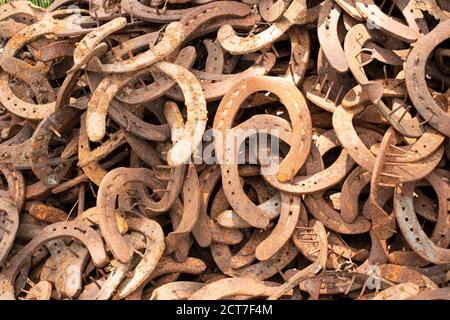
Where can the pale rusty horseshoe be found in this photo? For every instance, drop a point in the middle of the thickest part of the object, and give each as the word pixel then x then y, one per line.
pixel 300 54
pixel 40 291
pixel 436 294
pixel 153 252
pixel 185 242
pixel 271 10
pixel 349 7
pixel 194 101
pixel 283 230
pixel 9 10
pixel 93 171
pixel 327 32
pixel 85 48
pixel 378 19
pixel 401 274
pixel 173 37
pixel 231 42
pixel 270 207
pixel 178 290
pixel 233 286
pixel 400 291
pixel 432 8
pixel 301 123
pixel 413 16
pixel 411 228
pixel 415 78
pixel 230 219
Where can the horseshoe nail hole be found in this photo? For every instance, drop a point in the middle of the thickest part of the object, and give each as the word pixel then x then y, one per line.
pixel 232 193
pixel 423 205
pixel 276 204
pixel 403 208
pixel 417 239
pixel 65 228
pixel 411 229
pixel 406 219
pixel 54 229
pixel 315 182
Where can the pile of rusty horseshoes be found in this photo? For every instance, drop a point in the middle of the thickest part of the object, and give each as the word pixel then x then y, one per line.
pixel 104 106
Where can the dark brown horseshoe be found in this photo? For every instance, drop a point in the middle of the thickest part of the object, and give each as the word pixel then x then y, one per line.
pixel 56 124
